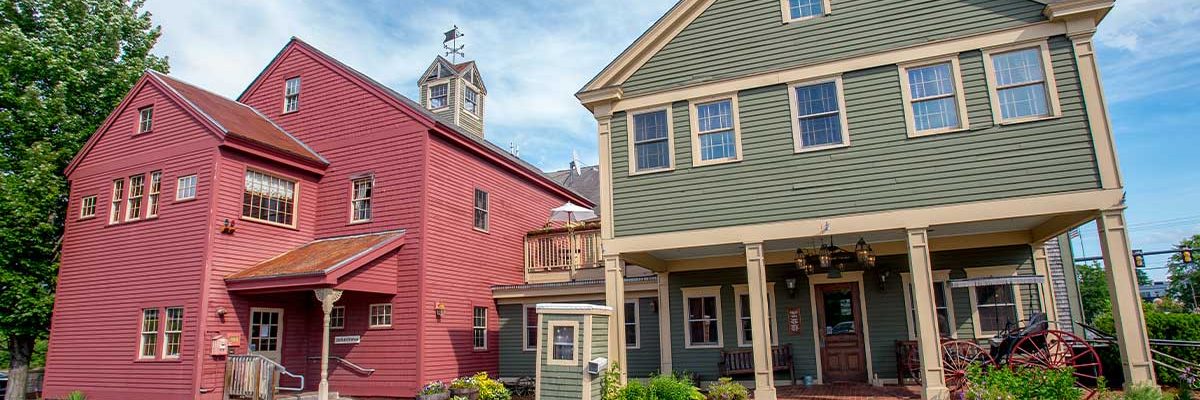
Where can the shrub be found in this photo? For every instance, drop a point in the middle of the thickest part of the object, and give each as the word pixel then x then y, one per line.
pixel 1024 383
pixel 634 390
pixel 662 387
pixel 1144 392
pixel 435 387
pixel 76 395
pixel 727 389
pixel 1159 325
pixel 490 389
pixel 463 383
pixel 610 383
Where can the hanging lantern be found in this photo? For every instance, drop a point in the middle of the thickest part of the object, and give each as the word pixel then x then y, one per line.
pixel 862 251
pixel 802 262
pixel 826 257
pixel 871 260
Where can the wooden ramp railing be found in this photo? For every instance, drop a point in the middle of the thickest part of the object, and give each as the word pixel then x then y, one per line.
pixel 254 377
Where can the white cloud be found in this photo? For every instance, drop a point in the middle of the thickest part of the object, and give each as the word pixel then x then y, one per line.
pixel 534 56
pixel 1149 47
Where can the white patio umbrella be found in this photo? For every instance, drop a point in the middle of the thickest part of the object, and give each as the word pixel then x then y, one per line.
pixel 571 212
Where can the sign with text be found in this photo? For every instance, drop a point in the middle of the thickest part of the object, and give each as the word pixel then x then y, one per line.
pixel 347 339
pixel 793 320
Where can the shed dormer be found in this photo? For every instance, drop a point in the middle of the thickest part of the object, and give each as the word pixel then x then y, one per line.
pixel 454 93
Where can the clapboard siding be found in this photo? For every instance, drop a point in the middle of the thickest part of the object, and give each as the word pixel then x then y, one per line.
pixel 882 170
pixel 564 381
pixel 516 362
pixel 740 37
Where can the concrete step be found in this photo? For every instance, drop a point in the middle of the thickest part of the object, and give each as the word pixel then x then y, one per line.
pixel 306 396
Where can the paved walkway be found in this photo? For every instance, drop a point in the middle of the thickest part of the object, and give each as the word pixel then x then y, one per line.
pixel 848 392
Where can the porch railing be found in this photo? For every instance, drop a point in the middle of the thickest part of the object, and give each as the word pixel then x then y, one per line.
pixel 254 377
pixel 563 250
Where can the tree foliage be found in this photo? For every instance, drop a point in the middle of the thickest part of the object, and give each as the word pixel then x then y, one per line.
pixel 1183 277
pixel 64 66
pixel 1093 290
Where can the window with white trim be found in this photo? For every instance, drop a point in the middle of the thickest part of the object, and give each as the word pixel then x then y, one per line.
pixel 185 187
pixel 269 198
pixel 819 120
pixel 471 101
pixel 1021 83
pixel 741 296
pixel 291 95
pixel 633 332
pixel 152 196
pixel 943 306
pixel 360 202
pixel 148 344
pixel 145 119
pixel 702 325
pixel 563 341
pixel 118 195
pixel 87 207
pixel 380 315
pixel 715 132
pixel 438 95
pixel 479 328
pixel 482 213
pixel 804 9
pixel 133 206
pixel 530 325
pixel 173 332
pixel 337 317
pixel 651 138
pixel 996 307
pixel 934 97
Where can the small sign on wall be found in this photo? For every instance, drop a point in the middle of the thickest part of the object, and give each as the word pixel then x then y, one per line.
pixel 793 320
pixel 347 339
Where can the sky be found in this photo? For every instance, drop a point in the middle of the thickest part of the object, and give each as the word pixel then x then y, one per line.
pixel 535 54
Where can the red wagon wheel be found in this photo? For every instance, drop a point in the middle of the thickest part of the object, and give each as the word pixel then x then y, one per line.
pixel 957 356
pixel 1053 349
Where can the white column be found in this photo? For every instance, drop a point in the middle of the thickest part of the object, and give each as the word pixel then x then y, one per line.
pixel 1126 303
pixel 614 296
pixel 327 297
pixel 760 328
pixel 664 323
pixel 933 380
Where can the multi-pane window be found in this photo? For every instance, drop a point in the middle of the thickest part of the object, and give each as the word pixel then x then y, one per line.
pixel 337 317
pixel 944 321
pixel 479 328
pixel 438 94
pixel 360 202
pixel 745 330
pixel 715 131
pixel 149 337
pixel 1020 80
pixel 703 311
pixel 264 330
pixel 799 9
pixel 818 116
pixel 380 315
pixel 933 98
pixel 531 328
pixel 185 187
pixel 481 210
pixel 269 198
pixel 173 332
pixel 996 307
pixel 152 196
pixel 291 95
pixel 87 207
pixel 145 119
pixel 118 194
pixel 651 140
pixel 137 188
pixel 563 340
pixel 632 333
pixel 471 101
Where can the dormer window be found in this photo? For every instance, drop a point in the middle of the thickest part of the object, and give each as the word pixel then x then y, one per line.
pixel 795 10
pixel 438 95
pixel 291 95
pixel 471 101
pixel 145 119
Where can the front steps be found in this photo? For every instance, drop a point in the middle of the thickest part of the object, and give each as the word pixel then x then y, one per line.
pixel 307 396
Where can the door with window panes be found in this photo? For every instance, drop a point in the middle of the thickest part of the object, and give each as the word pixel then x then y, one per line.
pixel 266 332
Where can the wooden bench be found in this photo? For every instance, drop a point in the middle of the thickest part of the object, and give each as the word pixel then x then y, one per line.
pixel 734 362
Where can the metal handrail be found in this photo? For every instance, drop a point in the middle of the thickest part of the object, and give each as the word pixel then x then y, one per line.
pixel 274 367
pixel 348 363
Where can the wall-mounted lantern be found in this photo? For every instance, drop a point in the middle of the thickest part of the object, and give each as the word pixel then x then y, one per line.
pixel 791 287
pixel 439 310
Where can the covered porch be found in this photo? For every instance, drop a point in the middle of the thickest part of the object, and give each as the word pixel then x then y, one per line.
pixel 740 290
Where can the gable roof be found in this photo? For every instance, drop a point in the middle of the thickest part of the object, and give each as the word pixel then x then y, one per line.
pixel 239 120
pixel 586 182
pixel 462 70
pixel 470 141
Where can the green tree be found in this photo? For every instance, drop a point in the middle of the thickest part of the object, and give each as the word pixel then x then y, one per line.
pixel 64 65
pixel 1093 290
pixel 1183 277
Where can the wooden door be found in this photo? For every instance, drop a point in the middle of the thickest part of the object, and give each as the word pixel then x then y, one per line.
pixel 266 332
pixel 843 358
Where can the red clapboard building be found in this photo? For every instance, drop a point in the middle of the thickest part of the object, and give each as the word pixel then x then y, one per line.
pixel 206 235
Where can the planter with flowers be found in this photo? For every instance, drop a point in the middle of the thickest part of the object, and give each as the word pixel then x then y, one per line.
pixel 464 387
pixel 436 390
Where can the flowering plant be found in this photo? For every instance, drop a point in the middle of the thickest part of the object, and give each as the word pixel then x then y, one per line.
pixel 435 387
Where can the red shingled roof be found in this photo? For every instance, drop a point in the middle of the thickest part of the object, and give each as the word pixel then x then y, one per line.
pixel 239 120
pixel 322 257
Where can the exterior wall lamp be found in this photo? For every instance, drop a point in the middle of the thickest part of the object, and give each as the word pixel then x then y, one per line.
pixel 439 310
pixel 791 287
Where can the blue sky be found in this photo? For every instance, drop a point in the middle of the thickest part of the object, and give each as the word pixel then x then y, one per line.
pixel 535 54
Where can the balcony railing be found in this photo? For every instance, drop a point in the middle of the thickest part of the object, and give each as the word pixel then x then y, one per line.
pixel 563 249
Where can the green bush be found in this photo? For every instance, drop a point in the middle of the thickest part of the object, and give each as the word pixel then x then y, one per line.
pixel 1024 383
pixel 490 389
pixel 610 384
pixel 76 395
pixel 662 387
pixel 727 389
pixel 1145 392
pixel 1159 325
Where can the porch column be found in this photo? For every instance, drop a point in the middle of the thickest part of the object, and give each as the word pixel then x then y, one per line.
pixel 614 296
pixel 760 329
pixel 933 380
pixel 327 297
pixel 1126 304
pixel 664 323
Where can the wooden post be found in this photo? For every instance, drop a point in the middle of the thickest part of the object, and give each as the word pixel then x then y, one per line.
pixel 327 297
pixel 933 380
pixel 1132 339
pixel 614 296
pixel 760 329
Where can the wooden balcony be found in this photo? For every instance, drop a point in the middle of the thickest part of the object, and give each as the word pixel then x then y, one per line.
pixel 559 254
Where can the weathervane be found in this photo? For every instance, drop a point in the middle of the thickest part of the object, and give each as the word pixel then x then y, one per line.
pixel 453 49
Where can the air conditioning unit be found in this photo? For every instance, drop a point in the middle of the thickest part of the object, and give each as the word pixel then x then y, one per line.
pixel 597 365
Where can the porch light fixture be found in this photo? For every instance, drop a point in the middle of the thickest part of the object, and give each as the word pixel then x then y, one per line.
pixel 791 286
pixel 1138 260
pixel 439 310
pixel 802 262
pixel 834 259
